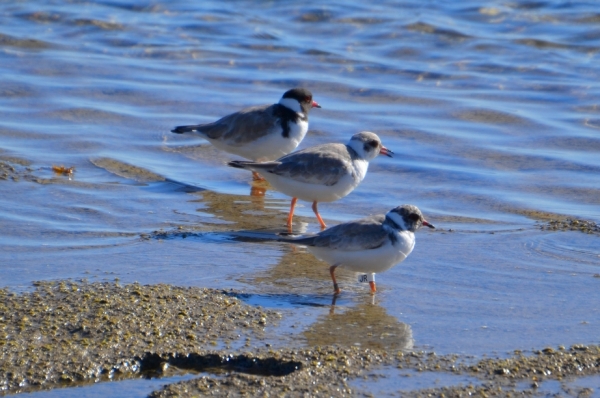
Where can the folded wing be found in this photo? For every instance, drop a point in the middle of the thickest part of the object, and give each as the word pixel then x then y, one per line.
pixel 238 128
pixel 363 234
pixel 323 164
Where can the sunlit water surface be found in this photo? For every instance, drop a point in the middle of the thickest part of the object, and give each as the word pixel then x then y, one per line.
pixel 493 113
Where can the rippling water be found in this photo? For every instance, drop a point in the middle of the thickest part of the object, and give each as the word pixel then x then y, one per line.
pixel 493 113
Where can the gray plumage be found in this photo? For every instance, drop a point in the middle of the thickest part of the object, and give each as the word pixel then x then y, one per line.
pixel 372 244
pixel 334 160
pixel 241 127
pixel 260 133
pixel 363 234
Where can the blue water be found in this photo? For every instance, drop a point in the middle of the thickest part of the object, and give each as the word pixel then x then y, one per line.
pixel 492 110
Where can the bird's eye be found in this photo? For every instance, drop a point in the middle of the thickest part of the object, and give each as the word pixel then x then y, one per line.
pixel 307 99
pixel 414 217
pixel 373 144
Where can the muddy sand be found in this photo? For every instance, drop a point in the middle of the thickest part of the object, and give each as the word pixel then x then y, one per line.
pixel 67 333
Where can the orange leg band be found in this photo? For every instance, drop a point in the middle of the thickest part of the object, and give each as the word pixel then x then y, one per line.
pixel 373 288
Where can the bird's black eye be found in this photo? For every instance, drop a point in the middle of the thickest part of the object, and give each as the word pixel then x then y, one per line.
pixel 414 217
pixel 373 144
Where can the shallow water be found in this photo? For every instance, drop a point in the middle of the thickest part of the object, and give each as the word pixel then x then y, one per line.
pixel 117 389
pixel 492 112
pixel 396 380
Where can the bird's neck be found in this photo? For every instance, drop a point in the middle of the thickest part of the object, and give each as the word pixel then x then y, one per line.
pixel 292 104
pixel 395 221
pixel 360 168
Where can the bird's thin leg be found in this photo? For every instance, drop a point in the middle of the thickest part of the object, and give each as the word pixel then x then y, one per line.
pixel 291 215
pixel 257 177
pixel 336 288
pixel 314 207
pixel 332 308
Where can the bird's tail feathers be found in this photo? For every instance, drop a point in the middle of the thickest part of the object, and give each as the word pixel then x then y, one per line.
pixel 305 241
pixel 254 166
pixel 240 164
pixel 184 129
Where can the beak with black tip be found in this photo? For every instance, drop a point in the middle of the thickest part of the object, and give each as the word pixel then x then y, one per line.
pixel 386 152
pixel 427 224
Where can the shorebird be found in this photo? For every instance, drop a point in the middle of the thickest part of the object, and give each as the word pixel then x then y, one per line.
pixel 323 173
pixel 371 245
pixel 260 133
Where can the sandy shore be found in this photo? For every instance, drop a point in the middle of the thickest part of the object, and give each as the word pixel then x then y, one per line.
pixel 69 333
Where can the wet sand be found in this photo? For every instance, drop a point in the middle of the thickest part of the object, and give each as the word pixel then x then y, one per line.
pixel 67 333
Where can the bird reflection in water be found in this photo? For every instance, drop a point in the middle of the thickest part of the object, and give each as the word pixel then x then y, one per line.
pixel 366 325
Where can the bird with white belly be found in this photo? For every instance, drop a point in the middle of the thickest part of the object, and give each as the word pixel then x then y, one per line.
pixel 260 133
pixel 323 173
pixel 370 245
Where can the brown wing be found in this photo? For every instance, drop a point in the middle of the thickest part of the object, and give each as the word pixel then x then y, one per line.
pixel 241 127
pixel 363 234
pixel 322 164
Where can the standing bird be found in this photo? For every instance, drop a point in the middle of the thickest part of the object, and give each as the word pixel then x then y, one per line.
pixel 260 133
pixel 372 244
pixel 322 173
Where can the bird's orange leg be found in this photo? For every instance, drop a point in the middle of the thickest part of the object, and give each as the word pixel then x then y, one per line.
pixel 257 177
pixel 314 207
pixel 336 288
pixel 291 215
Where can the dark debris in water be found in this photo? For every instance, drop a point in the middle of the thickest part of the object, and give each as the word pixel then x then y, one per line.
pixel 66 333
pixel 571 224
pixel 152 363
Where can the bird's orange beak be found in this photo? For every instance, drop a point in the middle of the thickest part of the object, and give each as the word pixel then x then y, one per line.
pixel 427 224
pixel 386 152
pixel 315 104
